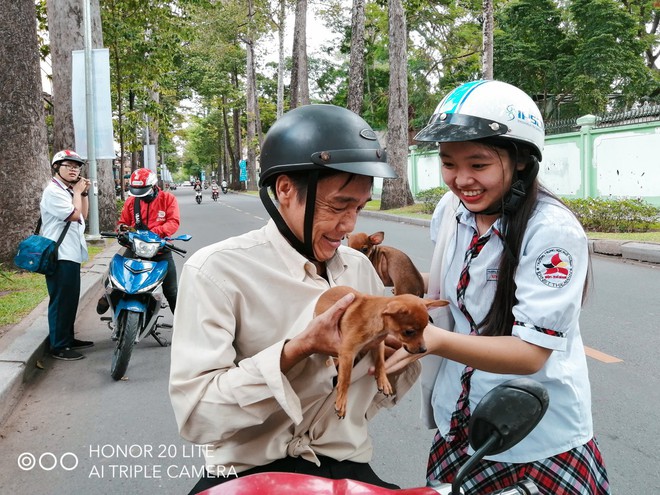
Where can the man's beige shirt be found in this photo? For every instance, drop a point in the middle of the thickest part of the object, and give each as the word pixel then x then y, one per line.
pixel 239 301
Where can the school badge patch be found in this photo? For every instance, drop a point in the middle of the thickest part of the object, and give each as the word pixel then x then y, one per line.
pixel 554 267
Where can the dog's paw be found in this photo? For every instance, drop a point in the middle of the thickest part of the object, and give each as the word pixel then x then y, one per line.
pixel 385 387
pixel 340 410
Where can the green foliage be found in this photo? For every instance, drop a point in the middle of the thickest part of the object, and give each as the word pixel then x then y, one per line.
pixel 606 56
pixel 615 215
pixel 119 204
pixel 529 35
pixel 430 197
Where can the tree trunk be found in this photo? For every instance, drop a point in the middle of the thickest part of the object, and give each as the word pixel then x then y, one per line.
pixel 229 150
pixel 299 71
pixel 487 60
pixel 236 121
pixel 66 31
pixel 396 192
pixel 281 20
pixel 24 167
pixel 356 68
pixel 251 105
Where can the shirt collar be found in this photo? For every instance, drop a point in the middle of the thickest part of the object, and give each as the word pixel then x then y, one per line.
pixel 61 184
pixel 466 217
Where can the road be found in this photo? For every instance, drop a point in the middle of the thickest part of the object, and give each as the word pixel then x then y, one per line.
pixel 86 433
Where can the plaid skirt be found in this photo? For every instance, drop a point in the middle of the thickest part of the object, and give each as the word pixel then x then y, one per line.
pixel 579 471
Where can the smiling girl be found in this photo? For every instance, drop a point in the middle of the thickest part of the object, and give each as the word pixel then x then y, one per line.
pixel 513 262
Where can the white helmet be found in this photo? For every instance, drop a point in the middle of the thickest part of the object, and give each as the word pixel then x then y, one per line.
pixel 142 182
pixel 481 109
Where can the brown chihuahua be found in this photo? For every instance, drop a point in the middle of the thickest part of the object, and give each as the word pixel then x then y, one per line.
pixel 369 319
pixel 394 267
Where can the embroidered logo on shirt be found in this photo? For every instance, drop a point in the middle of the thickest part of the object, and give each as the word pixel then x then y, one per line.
pixel 554 267
pixel 492 275
pixel 161 215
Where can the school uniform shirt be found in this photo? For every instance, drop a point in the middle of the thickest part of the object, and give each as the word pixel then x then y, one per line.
pixel 56 207
pixel 161 215
pixel 549 282
pixel 239 301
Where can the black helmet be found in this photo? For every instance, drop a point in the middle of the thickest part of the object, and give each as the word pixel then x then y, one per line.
pixel 318 137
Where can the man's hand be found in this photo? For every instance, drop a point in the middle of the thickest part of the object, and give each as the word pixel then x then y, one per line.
pixel 321 336
pixel 122 227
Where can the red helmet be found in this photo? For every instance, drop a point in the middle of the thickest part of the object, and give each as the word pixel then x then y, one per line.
pixel 69 155
pixel 142 182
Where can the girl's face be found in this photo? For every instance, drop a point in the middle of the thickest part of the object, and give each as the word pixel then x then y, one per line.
pixel 478 174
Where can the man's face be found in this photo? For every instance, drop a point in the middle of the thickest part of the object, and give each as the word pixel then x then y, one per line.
pixel 339 199
pixel 69 170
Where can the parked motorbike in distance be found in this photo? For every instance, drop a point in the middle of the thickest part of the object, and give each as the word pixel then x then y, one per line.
pixel 198 197
pixel 504 416
pixel 135 293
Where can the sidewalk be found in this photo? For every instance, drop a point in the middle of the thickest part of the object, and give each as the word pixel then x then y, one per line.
pixel 25 343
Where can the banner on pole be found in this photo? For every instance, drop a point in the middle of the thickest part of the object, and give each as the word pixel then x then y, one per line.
pixel 102 110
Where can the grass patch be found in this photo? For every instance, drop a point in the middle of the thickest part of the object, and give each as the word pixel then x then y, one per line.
pixel 20 293
pixel 627 236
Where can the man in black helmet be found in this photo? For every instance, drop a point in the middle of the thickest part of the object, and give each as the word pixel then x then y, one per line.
pixel 251 375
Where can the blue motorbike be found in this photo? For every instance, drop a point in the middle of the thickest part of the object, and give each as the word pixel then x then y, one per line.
pixel 135 294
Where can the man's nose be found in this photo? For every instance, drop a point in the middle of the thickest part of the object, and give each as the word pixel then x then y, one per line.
pixel 348 220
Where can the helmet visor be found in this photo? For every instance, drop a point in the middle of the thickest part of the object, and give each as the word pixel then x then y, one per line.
pixel 456 127
pixel 140 192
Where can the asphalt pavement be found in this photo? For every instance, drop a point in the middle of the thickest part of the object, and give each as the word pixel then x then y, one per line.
pixel 23 346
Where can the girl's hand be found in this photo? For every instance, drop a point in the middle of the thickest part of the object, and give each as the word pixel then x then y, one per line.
pixel 399 360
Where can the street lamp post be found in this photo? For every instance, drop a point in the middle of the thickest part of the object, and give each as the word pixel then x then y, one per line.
pixel 91 131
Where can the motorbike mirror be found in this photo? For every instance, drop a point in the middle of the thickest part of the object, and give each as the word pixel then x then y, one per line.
pixel 182 237
pixel 510 411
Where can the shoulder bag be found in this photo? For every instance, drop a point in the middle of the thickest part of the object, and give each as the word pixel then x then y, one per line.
pixel 38 253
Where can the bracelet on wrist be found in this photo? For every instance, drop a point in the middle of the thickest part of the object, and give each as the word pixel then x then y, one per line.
pixel 84 194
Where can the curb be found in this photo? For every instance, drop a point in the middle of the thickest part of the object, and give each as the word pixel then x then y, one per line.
pixel 26 342
pixel 648 252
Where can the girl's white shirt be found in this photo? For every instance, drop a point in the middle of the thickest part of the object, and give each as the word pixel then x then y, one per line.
pixel 550 278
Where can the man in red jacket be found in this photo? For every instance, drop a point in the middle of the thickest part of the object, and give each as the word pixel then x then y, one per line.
pixel 159 213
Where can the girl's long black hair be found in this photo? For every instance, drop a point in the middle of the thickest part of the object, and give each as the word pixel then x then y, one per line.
pixel 499 320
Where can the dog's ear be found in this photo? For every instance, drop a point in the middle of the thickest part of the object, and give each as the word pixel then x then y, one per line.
pixel 377 238
pixel 435 303
pixel 395 307
pixel 357 240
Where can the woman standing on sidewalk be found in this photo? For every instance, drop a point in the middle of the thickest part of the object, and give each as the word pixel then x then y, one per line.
pixel 513 262
pixel 65 201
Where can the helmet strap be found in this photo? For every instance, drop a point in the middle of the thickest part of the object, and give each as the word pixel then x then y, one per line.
pixel 310 207
pixel 305 248
pixel 515 196
pixel 58 167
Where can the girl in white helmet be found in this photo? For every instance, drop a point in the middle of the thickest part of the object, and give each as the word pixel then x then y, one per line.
pixel 513 261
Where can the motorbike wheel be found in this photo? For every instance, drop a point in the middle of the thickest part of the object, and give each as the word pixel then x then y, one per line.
pixel 198 199
pixel 129 326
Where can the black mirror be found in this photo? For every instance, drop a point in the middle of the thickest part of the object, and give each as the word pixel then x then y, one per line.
pixel 510 411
